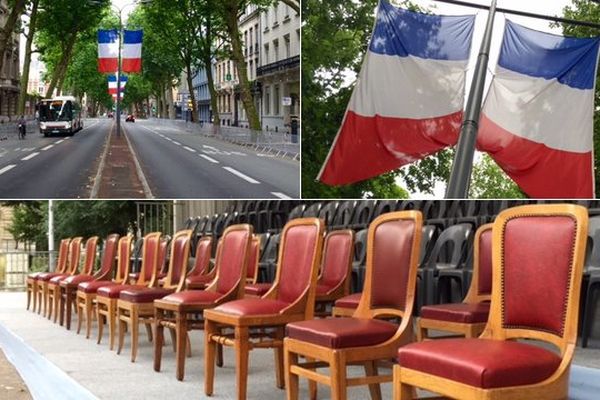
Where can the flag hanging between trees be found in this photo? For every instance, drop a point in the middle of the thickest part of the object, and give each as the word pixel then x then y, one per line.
pixel 408 101
pixel 537 120
pixel 132 51
pixel 108 50
pixel 112 84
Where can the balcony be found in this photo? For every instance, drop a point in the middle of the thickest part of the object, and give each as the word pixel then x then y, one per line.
pixel 278 66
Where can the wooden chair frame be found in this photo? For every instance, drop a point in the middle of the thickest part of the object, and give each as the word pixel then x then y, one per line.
pixel 53 291
pixel 343 287
pixel 216 323
pixel 85 303
pixel 338 359
pixel 468 330
pixel 106 308
pixel 178 317
pixel 207 271
pixel 40 288
pixel 68 293
pixel 557 385
pixel 131 315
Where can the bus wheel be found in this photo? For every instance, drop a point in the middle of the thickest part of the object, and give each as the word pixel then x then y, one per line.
pixel 45 134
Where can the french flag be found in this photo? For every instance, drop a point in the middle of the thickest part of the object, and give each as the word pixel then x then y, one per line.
pixel 112 84
pixel 132 51
pixel 408 101
pixel 537 120
pixel 108 51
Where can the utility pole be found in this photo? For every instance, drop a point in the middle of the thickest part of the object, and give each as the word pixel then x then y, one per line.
pixel 118 110
pixel 460 176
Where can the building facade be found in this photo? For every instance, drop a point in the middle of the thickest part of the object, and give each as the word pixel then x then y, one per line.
pixel 226 79
pixel 9 75
pixel 250 34
pixel 200 82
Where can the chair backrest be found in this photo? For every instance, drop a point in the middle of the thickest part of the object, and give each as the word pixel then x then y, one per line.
pixel 91 246
pixel 270 253
pixel 163 250
pixel 109 255
pixel 458 237
pixel 344 214
pixel 150 254
pixel 336 264
pixel 296 212
pixel 312 211
pixel 481 282
pixel 74 255
pixel 297 265
pixel 538 253
pixel 360 247
pixel 202 263
pixel 178 261
pixel 123 259
pixel 363 213
pixel 63 256
pixel 328 211
pixel 233 252
pixel 394 244
pixel 252 268
pixel 427 243
pixel 384 206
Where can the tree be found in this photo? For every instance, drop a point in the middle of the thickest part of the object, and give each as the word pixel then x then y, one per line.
pixel 27 61
pixel 488 181
pixel 28 223
pixel 17 7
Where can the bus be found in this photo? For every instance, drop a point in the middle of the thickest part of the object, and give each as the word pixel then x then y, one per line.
pixel 59 115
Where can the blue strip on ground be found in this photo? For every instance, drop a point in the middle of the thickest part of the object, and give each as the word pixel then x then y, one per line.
pixel 43 379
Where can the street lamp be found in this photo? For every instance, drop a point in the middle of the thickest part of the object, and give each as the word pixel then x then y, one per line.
pixel 119 11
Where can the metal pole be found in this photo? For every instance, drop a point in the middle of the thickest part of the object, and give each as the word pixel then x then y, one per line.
pixel 119 75
pixel 460 176
pixel 50 235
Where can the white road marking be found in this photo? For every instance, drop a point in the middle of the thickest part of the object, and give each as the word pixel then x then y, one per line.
pixel 244 177
pixel 66 138
pixel 281 195
pixel 212 160
pixel 7 168
pixel 189 149
pixel 60 141
pixel 210 147
pixel 177 143
pixel 29 157
pixel 47 147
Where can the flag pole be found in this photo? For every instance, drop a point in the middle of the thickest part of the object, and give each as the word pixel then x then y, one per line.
pixel 462 166
pixel 118 111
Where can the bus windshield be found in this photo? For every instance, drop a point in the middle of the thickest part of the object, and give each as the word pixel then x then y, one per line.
pixel 57 110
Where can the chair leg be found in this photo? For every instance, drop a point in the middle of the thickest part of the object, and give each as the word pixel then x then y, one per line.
pixel 421 332
pixel 210 348
pixel 100 319
pixel 135 326
pixel 173 339
pixel 312 385
pixel 122 327
pixel 158 337
pixel 279 375
pixel 338 377
pixel 374 388
pixel 219 355
pixel 188 345
pixel 68 308
pixel 291 380
pixel 181 342
pixel 242 351
pixel 29 290
pixel 149 332
pixel 50 300
pixel 401 391
pixel 112 325
pixel 588 315
pixel 89 306
pixel 79 311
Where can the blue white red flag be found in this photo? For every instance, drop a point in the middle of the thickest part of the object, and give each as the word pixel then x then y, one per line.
pixel 108 51
pixel 132 51
pixel 537 120
pixel 408 102
pixel 112 84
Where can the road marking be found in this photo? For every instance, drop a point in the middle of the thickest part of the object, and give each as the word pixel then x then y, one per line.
pixel 7 168
pixel 189 149
pixel 29 157
pixel 177 143
pixel 47 147
pixel 244 177
pixel 66 138
pixel 212 160
pixel 281 195
pixel 60 141
pixel 210 147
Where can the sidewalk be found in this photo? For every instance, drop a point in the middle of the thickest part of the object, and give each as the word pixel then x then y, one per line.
pixel 11 384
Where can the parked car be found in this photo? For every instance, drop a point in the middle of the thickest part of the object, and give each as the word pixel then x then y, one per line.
pixel 130 118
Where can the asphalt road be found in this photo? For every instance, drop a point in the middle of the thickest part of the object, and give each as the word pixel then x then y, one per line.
pixel 183 165
pixel 176 165
pixel 58 167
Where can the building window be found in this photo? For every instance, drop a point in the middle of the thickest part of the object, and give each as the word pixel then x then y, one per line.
pixel 275 15
pixel 276 99
pixel 286 41
pixel 250 70
pixel 266 54
pixel 267 100
pixel 266 20
pixel 276 50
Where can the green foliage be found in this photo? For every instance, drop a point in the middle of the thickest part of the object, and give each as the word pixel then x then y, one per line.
pixel 28 222
pixel 490 182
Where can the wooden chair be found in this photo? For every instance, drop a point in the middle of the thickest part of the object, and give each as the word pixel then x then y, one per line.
pixel 201 275
pixel 391 272
pixel 85 289
pixel 40 280
pixel 136 304
pixel 538 253
pixel 53 289
pixel 107 296
pixel 291 298
pixel 469 317
pixel 183 311
pixel 67 289
pixel 252 270
pixel 336 269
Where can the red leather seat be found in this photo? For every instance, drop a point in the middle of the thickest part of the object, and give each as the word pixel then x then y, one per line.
pixel 93 286
pixel 113 291
pixel 193 297
pixel 46 276
pixel 144 295
pixel 460 312
pixel 252 307
pixel 77 279
pixel 339 333
pixel 350 301
pixel 481 362
pixel 136 275
pixel 257 289
pixel 57 278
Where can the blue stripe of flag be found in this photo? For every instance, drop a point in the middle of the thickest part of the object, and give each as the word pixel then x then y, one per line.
pixel 108 36
pixel 401 33
pixel 113 78
pixel 133 37
pixel 543 55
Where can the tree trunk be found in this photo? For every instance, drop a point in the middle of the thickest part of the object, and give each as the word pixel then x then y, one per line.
pixel 190 84
pixel 169 98
pixel 207 61
pixel 6 32
pixel 61 67
pixel 237 55
pixel 27 62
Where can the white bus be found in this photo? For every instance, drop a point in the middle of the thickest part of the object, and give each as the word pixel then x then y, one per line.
pixel 59 115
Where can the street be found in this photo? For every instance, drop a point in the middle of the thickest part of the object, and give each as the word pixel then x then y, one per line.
pixel 174 164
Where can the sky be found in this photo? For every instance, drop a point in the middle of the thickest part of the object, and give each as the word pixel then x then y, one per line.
pixel 129 7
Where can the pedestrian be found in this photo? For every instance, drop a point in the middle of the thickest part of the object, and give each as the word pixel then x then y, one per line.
pixel 22 126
